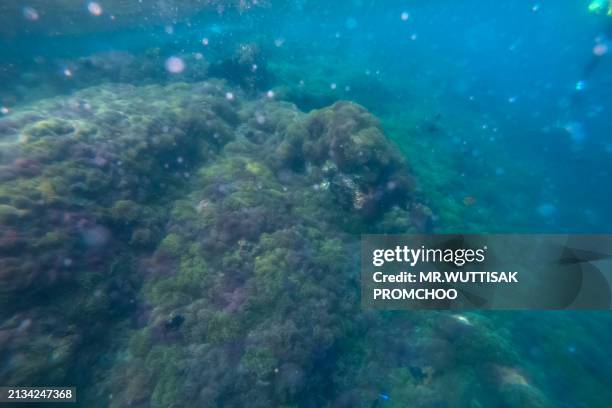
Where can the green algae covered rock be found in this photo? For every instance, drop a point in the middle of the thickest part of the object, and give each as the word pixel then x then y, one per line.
pixel 205 248
pixel 256 270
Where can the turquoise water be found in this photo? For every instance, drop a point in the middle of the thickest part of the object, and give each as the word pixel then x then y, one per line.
pixel 184 184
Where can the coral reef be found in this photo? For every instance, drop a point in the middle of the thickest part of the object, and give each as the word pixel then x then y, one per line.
pixel 254 285
pixel 199 247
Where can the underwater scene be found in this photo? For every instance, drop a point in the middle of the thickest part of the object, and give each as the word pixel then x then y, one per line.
pixel 184 184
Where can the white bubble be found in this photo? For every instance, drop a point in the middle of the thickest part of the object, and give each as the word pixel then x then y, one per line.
pixel 67 72
pixel 600 49
pixel 95 9
pixel 405 16
pixel 270 94
pixel 254 67
pixel 229 96
pixel 204 41
pixel 4 110
pixel 30 13
pixel 175 65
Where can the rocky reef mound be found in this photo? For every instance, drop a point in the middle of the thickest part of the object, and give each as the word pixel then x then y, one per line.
pixel 218 223
pixel 187 245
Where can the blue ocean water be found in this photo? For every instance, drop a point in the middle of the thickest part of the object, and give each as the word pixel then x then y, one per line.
pixel 180 207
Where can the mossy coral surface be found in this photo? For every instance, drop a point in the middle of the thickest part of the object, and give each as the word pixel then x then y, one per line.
pixel 200 250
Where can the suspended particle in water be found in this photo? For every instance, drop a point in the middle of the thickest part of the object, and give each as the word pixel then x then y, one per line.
pixel 384 397
pixel 580 85
pixel 512 99
pixel 535 8
pixel 4 110
pixel 404 16
pixel 96 236
pixel 600 49
pixel 204 41
pixel 229 96
pixel 198 56
pixel 413 37
pixel 547 210
pixel 95 9
pixel 67 73
pixel 260 119
pixel 333 86
pixel 254 67
pixel 350 23
pixel 279 42
pixel 169 29
pixel 175 65
pixel 30 13
pixel 576 131
pixel 270 94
